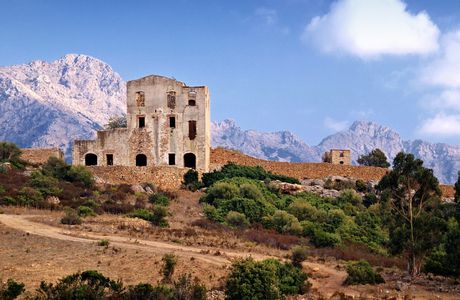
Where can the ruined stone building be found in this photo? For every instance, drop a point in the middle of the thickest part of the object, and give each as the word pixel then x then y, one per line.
pixel 168 125
pixel 338 157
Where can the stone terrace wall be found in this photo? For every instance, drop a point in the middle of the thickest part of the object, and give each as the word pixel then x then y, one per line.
pixel 220 157
pixel 39 156
pixel 167 178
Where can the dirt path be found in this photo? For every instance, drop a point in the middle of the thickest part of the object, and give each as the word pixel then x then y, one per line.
pixel 328 279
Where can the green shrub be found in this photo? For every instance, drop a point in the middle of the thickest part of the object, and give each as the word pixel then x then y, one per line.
pixel 103 243
pixel 213 213
pixel 9 152
pixel 361 272
pixel 298 255
pixel 236 219
pixel 370 199
pixel 361 186
pixel 85 211
pixel 268 279
pixel 350 196
pixel 7 200
pixel 303 210
pixel 30 197
pixel 188 289
pixel 321 238
pixel 221 190
pixel 46 185
pixel 169 265
pixel 159 199
pixel 231 170
pixel 253 210
pixel 85 285
pixel 59 169
pixel 2 190
pixel 71 217
pixel 191 181
pixel 80 174
pixel 284 222
pixel 11 290
pixel 251 191
pixel 156 216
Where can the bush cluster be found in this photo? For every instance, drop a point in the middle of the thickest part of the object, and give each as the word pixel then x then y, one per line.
pixel 361 272
pixel 231 170
pixel 157 215
pixel 59 169
pixel 159 199
pixel 11 289
pixel 267 279
pixel 71 217
pixel 239 202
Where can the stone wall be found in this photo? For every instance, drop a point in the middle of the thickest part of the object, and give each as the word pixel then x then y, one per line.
pixel 220 157
pixel 167 178
pixel 38 156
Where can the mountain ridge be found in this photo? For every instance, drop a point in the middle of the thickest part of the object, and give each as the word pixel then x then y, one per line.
pixel 50 104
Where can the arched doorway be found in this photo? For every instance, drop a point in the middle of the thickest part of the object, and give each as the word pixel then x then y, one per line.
pixel 190 160
pixel 141 160
pixel 90 159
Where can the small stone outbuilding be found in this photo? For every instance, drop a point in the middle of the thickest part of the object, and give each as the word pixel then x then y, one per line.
pixel 168 124
pixel 338 157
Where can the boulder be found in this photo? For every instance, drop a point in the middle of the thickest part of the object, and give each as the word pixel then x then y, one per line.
pixel 53 200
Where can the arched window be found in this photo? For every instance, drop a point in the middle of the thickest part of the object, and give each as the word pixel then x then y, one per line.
pixel 190 160
pixel 141 160
pixel 90 159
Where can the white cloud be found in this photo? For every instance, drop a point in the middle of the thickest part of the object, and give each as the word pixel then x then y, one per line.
pixel 442 125
pixel 445 70
pixel 371 28
pixel 335 125
pixel 449 99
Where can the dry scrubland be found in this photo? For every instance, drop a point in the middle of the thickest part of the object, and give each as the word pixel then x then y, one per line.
pixel 36 246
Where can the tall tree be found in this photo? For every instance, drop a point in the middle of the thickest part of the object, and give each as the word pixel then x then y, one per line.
pixel 413 195
pixel 376 158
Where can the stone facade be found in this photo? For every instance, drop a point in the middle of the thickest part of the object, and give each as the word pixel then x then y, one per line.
pixel 168 125
pixel 39 156
pixel 338 157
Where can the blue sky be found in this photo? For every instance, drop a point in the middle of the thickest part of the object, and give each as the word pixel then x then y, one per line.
pixel 308 66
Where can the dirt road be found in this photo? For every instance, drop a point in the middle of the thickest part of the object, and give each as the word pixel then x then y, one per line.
pixel 328 278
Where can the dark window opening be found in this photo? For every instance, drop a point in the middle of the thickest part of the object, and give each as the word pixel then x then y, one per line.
pixel 191 102
pixel 190 160
pixel 90 159
pixel 172 122
pixel 192 130
pixel 341 154
pixel 171 99
pixel 172 159
pixel 109 159
pixel 341 162
pixel 141 122
pixel 141 160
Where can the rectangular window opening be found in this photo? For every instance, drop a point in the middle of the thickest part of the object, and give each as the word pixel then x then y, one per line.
pixel 192 130
pixel 172 159
pixel 141 122
pixel 109 159
pixel 172 122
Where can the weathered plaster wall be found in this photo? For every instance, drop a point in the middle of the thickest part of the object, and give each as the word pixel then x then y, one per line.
pixel 148 98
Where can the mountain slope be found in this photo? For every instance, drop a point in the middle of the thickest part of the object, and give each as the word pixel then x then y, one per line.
pixel 50 104
pixel 361 138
